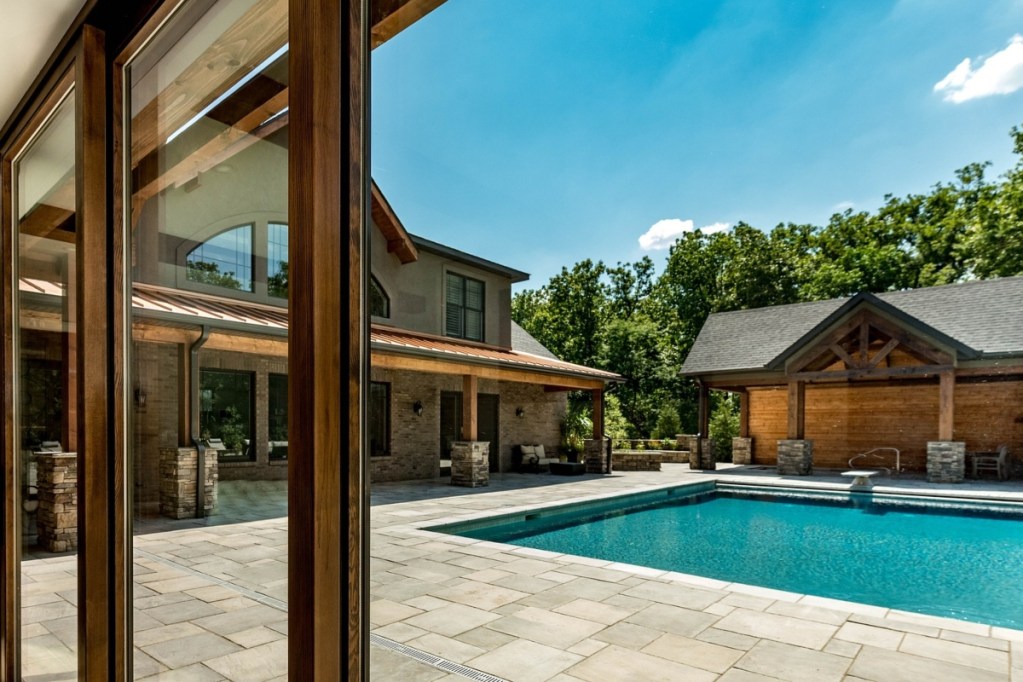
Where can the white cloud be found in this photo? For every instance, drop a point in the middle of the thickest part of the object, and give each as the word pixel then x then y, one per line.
pixel 998 74
pixel 664 233
pixel 842 206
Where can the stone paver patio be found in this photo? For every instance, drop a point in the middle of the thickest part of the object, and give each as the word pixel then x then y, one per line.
pixel 210 601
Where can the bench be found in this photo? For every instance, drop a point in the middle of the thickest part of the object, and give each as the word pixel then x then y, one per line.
pixel 861 478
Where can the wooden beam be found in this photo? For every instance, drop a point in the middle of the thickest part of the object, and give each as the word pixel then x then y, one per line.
pixel 872 372
pixel 437 366
pixel 328 181
pixel 597 397
pixel 946 405
pixel 864 343
pixel 703 410
pixel 249 41
pixel 391 17
pixel 813 352
pixel 398 240
pixel 843 356
pixel 103 558
pixel 797 410
pixel 883 352
pixel 993 370
pixel 243 134
pixel 184 395
pixel 49 222
pixel 470 407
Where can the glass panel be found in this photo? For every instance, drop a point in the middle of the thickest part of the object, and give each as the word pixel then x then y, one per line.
pixel 379 412
pixel 208 141
pixel 46 406
pixel 225 416
pixel 278 416
pixel 277 260
pixel 379 304
pixel 224 260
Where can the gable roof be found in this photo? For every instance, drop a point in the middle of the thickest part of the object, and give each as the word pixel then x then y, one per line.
pixel 523 342
pixel 982 318
pixel 439 249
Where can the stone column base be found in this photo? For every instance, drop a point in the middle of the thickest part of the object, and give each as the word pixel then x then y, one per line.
pixel 597 455
pixel 742 451
pixel 708 460
pixel 795 457
pixel 946 461
pixel 689 443
pixel 57 515
pixel 470 463
pixel 178 479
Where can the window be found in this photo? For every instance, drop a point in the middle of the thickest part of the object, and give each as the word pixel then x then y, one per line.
pixel 224 260
pixel 277 260
pixel 464 307
pixel 277 415
pixel 379 412
pixel 226 413
pixel 379 303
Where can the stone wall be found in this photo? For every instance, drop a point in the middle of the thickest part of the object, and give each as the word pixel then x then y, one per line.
pixel 57 515
pixel 633 460
pixel 946 461
pixel 597 456
pixel 795 457
pixel 470 463
pixel 178 482
pixel 708 455
pixel 742 451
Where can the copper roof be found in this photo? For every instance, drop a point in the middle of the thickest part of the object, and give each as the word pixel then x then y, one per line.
pixel 187 307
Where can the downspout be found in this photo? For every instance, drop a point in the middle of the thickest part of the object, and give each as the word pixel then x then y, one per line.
pixel 194 399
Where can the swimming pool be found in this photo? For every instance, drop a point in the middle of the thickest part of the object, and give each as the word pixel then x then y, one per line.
pixel 955 558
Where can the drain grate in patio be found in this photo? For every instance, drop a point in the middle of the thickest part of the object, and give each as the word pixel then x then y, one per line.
pixel 436 661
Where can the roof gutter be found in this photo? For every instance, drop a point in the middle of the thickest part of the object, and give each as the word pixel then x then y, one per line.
pixel 194 399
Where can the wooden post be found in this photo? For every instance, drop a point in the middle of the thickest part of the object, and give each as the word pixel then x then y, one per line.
pixel 797 410
pixel 743 414
pixel 328 528
pixel 69 356
pixel 946 405
pixel 597 396
pixel 703 410
pixel 470 407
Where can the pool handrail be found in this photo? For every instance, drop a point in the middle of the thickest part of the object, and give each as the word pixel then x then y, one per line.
pixel 873 452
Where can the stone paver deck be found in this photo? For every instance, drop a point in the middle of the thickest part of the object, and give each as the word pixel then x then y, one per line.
pixel 210 600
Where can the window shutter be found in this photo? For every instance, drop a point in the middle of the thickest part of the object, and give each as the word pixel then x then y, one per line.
pixel 453 310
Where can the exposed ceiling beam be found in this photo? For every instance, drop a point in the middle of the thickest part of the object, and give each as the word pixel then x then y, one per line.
pixel 390 17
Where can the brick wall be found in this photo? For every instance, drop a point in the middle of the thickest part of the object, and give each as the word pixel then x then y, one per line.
pixel 415 440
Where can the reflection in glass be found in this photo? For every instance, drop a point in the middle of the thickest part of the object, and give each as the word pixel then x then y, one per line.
pixel 208 140
pixel 46 413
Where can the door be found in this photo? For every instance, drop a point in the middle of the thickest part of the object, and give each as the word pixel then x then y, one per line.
pixel 487 426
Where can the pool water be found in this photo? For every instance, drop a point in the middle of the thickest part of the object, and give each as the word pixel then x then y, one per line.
pixel 961 561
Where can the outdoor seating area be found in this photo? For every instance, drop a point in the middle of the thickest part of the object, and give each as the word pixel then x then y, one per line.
pixel 997 462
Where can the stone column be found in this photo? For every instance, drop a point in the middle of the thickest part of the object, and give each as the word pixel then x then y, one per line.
pixel 946 461
pixel 742 451
pixel 708 455
pixel 597 455
pixel 178 482
pixel 470 463
pixel 57 519
pixel 795 457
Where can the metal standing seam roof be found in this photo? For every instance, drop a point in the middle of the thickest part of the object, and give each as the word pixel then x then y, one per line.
pixel 192 308
pixel 985 315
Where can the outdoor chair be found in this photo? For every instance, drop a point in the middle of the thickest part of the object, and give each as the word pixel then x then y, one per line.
pixel 996 462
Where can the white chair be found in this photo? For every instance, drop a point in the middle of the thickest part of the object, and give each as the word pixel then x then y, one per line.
pixel 996 462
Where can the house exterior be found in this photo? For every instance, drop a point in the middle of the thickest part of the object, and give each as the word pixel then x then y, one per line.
pixel 934 372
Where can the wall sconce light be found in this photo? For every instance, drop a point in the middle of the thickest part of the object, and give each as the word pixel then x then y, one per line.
pixel 519 412
pixel 140 397
pixel 417 407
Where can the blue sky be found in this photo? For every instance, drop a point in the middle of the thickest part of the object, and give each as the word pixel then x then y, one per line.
pixel 538 133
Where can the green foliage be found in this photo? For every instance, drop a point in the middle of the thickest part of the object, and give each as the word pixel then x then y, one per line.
pixel 640 445
pixel 668 423
pixel 209 273
pixel 615 424
pixel 724 426
pixel 277 284
pixel 576 427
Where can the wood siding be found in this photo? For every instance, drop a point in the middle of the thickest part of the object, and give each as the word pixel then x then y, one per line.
pixel 852 418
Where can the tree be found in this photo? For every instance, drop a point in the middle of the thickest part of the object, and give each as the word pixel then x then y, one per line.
pixel 209 273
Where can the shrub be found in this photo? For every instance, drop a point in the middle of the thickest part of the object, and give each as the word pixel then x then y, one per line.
pixel 724 426
pixel 668 423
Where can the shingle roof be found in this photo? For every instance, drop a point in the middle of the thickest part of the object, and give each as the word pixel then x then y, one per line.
pixel 523 341
pixel 985 315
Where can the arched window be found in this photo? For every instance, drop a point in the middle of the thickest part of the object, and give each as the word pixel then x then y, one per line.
pixel 379 303
pixel 224 260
